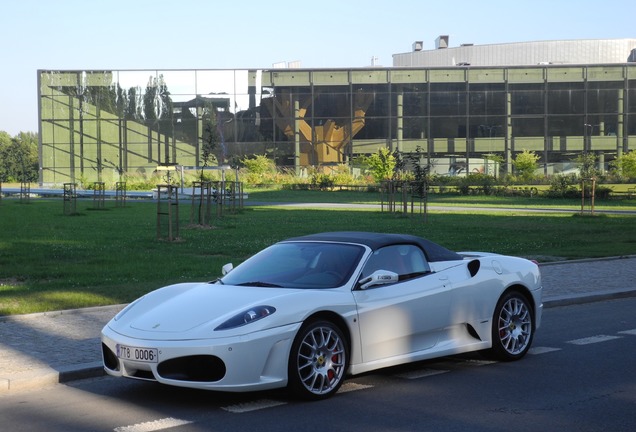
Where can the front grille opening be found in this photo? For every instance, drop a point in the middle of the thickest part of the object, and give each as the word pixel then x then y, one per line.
pixel 199 368
pixel 110 359
pixel 143 375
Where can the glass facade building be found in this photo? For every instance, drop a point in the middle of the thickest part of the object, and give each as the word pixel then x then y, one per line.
pixel 95 125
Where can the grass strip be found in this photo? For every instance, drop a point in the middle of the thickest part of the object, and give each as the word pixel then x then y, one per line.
pixel 51 261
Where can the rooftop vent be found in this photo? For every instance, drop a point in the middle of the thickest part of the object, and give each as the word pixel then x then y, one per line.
pixel 418 46
pixel 441 42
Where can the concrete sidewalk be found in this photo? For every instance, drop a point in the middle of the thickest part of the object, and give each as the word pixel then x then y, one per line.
pixel 54 347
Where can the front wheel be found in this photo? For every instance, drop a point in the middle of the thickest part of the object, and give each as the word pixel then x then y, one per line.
pixel 318 360
pixel 512 327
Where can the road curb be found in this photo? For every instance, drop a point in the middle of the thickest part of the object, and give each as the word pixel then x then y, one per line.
pixel 584 260
pixel 112 308
pixel 573 299
pixel 41 377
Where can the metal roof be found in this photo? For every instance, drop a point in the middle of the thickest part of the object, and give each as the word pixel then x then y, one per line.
pixel 584 51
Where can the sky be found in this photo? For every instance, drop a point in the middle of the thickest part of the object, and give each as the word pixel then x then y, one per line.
pixel 232 34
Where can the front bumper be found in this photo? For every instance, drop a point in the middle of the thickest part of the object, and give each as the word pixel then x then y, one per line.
pixel 255 361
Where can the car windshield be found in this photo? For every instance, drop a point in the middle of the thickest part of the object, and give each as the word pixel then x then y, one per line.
pixel 298 265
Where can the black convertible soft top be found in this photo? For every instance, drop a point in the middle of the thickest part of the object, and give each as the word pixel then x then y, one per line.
pixel 433 251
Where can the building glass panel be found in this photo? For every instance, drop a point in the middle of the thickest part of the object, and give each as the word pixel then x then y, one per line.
pixel 448 104
pixel 414 104
pixel 489 103
pixel 100 124
pixel 566 125
pixel 488 134
pixel 528 126
pixel 631 130
pixel 371 110
pixel 566 101
pixel 487 126
pixel 631 96
pixel 414 128
pixel 527 102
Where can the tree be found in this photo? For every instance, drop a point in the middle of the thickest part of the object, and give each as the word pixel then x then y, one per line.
pixel 381 164
pixel 526 164
pixel 625 164
pixel 18 157
pixel 210 137
pixel 421 172
pixel 150 101
pixel 5 139
pixel 587 165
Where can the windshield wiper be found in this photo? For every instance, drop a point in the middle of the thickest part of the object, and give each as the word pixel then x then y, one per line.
pixel 259 284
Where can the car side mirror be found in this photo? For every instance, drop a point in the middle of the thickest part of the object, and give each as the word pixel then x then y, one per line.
pixel 379 277
pixel 226 268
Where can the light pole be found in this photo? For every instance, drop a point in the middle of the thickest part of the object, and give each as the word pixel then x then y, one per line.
pixel 587 138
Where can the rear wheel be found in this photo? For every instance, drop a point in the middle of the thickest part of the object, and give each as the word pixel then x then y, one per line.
pixel 512 327
pixel 318 360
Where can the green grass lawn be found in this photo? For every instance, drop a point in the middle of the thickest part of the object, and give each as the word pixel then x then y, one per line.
pixel 51 261
pixel 271 195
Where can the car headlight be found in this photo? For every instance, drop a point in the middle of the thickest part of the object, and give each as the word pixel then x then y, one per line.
pixel 246 317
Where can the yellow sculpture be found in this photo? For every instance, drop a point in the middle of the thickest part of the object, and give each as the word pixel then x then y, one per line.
pixel 325 143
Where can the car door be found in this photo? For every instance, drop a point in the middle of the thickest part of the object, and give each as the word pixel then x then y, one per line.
pixel 406 316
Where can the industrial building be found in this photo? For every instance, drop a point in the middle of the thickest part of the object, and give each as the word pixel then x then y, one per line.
pixel 556 52
pixel 459 113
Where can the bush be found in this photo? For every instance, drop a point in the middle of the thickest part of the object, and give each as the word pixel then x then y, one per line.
pixel 484 183
pixel 526 163
pixel 322 181
pixel 259 169
pixel 602 192
pixel 381 164
pixel 625 165
pixel 259 164
pixel 142 183
pixel 563 186
pixel 339 175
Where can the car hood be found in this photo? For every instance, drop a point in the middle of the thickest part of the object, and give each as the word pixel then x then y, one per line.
pixel 195 310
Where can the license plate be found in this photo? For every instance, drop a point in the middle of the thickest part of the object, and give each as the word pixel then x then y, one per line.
pixel 146 355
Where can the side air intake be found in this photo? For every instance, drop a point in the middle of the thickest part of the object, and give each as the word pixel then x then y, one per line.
pixel 473 267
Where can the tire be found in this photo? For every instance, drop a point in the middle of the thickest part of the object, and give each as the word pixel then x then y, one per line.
pixel 512 327
pixel 318 361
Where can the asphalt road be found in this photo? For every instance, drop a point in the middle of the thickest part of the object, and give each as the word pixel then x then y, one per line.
pixel 579 375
